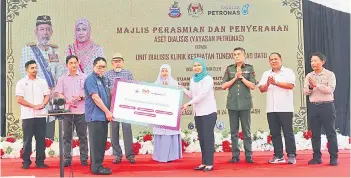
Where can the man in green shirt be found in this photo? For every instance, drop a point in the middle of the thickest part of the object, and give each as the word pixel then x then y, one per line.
pixel 239 79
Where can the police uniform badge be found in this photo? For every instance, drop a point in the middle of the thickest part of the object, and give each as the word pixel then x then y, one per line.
pixel 220 125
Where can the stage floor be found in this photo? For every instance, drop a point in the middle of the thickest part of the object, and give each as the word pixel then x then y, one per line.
pixel 146 167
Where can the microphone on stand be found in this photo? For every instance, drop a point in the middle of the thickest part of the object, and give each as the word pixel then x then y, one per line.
pixel 58 105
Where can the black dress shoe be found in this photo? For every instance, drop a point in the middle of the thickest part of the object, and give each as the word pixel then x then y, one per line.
pixel 132 160
pixel 234 160
pixel 42 166
pixel 315 161
pixel 249 160
pixel 199 168
pixel 207 169
pixel 116 161
pixel 67 163
pixel 25 166
pixel 84 163
pixel 334 162
pixel 103 171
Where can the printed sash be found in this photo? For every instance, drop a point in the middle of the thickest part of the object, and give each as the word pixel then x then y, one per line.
pixel 44 66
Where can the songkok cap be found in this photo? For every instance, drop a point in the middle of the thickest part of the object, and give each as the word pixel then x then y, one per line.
pixel 43 19
pixel 117 56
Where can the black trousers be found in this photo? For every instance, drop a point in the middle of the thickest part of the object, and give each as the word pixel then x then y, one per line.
pixel 36 127
pixel 97 143
pixel 205 129
pixel 277 122
pixel 323 115
pixel 244 116
pixel 50 129
pixel 77 121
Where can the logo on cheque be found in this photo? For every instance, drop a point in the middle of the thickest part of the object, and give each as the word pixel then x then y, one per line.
pixel 174 10
pixel 195 9
pixel 145 91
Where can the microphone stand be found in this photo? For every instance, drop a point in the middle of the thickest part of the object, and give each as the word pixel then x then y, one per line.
pixel 59 115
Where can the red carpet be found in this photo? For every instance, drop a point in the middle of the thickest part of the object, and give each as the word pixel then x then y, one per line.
pixel 146 167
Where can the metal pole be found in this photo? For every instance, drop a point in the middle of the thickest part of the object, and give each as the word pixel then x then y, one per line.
pixel 61 147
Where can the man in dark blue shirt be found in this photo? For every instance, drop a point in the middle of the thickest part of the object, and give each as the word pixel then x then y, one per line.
pixel 97 115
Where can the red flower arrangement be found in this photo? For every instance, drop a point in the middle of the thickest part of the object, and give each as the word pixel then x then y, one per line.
pixel 2 152
pixel 241 135
pixel 327 145
pixel 11 139
pixel 21 153
pixel 108 145
pixel 147 137
pixel 184 145
pixel 307 134
pixel 48 142
pixel 75 143
pixel 136 148
pixel 269 139
pixel 226 146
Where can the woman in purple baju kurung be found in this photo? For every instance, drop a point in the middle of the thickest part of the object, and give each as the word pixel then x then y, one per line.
pixel 168 143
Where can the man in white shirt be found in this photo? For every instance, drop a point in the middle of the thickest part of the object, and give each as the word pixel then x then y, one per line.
pixel 32 94
pixel 278 82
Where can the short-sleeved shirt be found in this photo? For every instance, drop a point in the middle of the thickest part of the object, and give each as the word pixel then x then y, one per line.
pixel 279 99
pixel 70 86
pixel 112 75
pixel 239 95
pixel 95 84
pixel 324 91
pixel 33 91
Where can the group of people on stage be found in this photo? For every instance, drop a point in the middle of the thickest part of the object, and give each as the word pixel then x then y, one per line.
pixel 86 87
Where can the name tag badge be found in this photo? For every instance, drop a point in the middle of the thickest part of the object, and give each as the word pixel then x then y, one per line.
pixel 246 72
pixel 99 83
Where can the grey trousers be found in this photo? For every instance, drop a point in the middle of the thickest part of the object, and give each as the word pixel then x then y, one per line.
pixel 97 143
pixel 77 121
pixel 127 138
pixel 244 116
pixel 205 129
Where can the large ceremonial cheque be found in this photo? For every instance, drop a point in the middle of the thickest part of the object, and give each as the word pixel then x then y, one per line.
pixel 147 104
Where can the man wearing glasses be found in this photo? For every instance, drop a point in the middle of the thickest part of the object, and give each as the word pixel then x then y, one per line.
pixel 97 115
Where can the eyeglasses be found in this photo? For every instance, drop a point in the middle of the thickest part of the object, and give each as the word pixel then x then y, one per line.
pixel 101 67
